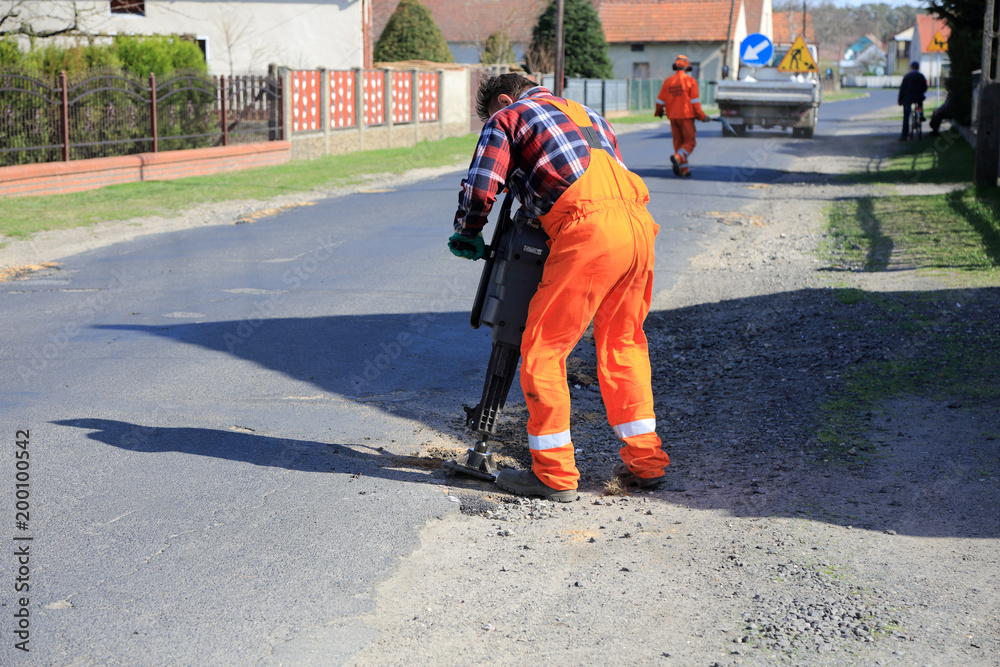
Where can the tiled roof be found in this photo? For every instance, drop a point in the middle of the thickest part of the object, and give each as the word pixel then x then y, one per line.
pixel 788 26
pixel 927 26
pixel 471 20
pixel 627 21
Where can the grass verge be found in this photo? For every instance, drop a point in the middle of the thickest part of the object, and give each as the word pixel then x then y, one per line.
pixel 648 117
pixel 944 159
pixel 943 347
pixel 845 95
pixel 956 232
pixel 23 216
pixel 938 344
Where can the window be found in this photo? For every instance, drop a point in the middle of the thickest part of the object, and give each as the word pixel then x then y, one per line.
pixel 695 69
pixel 134 7
pixel 638 47
pixel 640 70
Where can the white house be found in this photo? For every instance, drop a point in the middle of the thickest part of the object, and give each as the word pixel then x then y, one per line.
pixel 235 35
pixel 644 38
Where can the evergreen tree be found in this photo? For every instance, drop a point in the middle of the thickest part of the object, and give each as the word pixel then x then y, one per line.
pixel 586 51
pixel 412 34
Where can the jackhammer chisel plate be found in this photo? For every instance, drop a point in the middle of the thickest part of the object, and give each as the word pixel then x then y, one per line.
pixel 477 464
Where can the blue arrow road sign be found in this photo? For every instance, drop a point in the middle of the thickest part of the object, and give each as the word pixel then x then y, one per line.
pixel 756 50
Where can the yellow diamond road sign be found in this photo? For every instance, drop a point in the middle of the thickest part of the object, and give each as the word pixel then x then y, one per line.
pixel 938 45
pixel 798 58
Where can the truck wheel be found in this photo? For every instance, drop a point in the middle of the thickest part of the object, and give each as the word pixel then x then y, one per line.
pixel 796 132
pixel 741 130
pixel 807 132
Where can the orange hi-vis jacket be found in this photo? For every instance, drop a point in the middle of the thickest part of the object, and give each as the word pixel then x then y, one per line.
pixel 679 97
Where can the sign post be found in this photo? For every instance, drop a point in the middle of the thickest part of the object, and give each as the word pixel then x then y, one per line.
pixel 937 45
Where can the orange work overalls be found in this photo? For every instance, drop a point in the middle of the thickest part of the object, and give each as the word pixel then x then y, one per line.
pixel 600 268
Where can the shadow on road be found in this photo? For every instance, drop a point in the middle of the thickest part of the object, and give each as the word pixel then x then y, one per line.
pixel 286 453
pixel 759 402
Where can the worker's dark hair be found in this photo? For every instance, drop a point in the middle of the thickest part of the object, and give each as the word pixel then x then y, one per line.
pixel 914 65
pixel 493 87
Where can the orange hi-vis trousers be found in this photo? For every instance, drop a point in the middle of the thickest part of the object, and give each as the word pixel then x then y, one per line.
pixel 600 269
pixel 683 132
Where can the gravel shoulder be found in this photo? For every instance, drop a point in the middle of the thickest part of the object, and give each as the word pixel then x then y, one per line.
pixel 766 546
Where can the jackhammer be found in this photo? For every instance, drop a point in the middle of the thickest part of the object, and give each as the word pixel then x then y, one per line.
pixel 514 261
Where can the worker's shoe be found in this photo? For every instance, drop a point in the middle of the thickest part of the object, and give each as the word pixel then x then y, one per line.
pixel 685 172
pixel 525 483
pixel 630 480
pixel 676 165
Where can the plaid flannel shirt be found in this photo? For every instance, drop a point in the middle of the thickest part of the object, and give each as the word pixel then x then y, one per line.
pixel 533 148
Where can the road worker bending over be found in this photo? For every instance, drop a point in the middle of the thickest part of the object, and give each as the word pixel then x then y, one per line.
pixel 679 98
pixel 561 160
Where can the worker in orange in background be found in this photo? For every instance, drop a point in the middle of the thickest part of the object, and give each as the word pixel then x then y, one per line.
pixel 679 98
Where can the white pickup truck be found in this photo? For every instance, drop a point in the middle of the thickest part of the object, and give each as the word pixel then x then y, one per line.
pixel 764 97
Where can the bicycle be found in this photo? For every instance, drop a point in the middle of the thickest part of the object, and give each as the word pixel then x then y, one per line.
pixel 917 121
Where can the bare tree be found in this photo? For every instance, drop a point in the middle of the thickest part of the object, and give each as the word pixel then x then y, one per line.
pixel 46 18
pixel 540 57
pixel 492 37
pixel 240 35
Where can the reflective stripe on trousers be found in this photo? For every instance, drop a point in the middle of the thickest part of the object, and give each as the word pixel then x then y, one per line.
pixel 600 269
pixel 683 132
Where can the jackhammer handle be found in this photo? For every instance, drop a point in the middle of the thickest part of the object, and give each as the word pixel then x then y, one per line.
pixel 502 225
pixel 464 245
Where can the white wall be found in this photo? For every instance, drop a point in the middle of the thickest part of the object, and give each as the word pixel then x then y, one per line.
pixel 325 33
pixel 661 59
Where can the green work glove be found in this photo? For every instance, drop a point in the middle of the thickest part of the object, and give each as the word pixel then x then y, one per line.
pixel 466 246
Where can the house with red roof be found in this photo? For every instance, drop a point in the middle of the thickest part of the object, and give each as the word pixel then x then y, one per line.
pixel 645 36
pixel 788 26
pixel 926 31
pixel 759 17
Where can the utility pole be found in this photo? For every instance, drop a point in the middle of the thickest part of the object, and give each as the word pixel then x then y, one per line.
pixel 988 133
pixel 560 47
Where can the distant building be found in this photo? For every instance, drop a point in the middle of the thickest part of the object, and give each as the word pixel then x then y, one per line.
pixel 788 27
pixel 933 65
pixel 644 38
pixel 865 56
pixel 237 35
pixel 899 52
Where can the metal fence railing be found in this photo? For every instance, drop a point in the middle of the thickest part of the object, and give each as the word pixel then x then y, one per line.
pixel 104 113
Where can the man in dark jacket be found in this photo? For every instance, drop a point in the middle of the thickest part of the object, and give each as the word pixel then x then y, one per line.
pixel 911 91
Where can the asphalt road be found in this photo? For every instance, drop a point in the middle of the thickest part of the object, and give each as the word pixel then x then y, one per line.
pixel 209 413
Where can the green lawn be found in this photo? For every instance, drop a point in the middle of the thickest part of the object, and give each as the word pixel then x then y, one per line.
pixel 944 159
pixel 23 216
pixel 943 343
pixel 648 117
pixel 845 94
